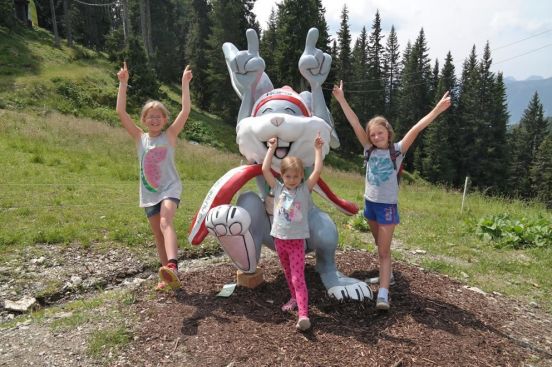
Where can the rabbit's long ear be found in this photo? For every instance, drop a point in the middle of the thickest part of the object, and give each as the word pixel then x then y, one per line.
pixel 334 139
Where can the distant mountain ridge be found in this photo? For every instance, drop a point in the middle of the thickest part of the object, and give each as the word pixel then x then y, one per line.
pixel 520 92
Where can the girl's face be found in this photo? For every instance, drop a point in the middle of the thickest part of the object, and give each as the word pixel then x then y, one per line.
pixel 292 178
pixel 379 136
pixel 155 121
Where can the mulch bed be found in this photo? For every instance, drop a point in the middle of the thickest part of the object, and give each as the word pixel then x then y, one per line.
pixel 433 321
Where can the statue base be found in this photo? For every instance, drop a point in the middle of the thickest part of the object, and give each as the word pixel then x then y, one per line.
pixel 249 280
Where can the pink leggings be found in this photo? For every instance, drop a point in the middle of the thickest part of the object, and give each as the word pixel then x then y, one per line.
pixel 292 258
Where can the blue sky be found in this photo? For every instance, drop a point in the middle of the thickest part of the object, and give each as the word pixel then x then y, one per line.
pixel 519 31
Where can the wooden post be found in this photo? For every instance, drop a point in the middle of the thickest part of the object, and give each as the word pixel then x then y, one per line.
pixel 250 280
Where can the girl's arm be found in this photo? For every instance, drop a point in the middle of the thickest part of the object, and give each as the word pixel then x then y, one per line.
pixel 126 121
pixel 267 163
pixel 178 124
pixel 350 115
pixel 412 134
pixel 315 175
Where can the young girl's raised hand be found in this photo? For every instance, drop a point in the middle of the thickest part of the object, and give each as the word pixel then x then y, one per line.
pixel 272 143
pixel 318 142
pixel 444 103
pixel 338 91
pixel 187 74
pixel 122 75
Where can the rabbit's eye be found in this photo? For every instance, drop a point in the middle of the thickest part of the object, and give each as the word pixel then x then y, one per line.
pixel 266 110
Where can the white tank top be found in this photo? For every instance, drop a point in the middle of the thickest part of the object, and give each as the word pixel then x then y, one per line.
pixel 159 179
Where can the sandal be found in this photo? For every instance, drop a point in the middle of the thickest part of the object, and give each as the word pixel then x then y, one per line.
pixel 161 286
pixel 169 276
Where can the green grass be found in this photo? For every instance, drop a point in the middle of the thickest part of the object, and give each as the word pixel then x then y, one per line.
pixel 73 180
pixel 103 341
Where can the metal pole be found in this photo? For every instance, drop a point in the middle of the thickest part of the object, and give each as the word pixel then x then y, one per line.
pixel 464 195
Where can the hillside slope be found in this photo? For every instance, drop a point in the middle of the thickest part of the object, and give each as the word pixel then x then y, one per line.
pixel 35 75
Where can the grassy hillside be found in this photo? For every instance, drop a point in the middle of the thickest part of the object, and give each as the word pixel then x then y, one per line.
pixel 35 76
pixel 70 177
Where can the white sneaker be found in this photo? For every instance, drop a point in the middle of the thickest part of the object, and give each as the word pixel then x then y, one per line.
pixel 382 304
pixel 303 324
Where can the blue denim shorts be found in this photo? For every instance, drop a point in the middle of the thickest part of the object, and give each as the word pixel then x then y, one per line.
pixel 381 213
pixel 156 209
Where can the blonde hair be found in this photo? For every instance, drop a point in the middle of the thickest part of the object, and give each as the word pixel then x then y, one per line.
pixel 380 121
pixel 150 105
pixel 291 164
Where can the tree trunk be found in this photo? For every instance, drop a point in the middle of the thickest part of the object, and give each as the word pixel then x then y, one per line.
pixel 54 23
pixel 148 27
pixel 145 22
pixel 68 29
pixel 125 22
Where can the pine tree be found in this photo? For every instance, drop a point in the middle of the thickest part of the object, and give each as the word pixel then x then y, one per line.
pixel 482 172
pixel 467 133
pixel 535 124
pixel 343 62
pixel 438 163
pixel 90 25
pixel 483 118
pixel 434 81
pixel 294 19
pixel 525 140
pixel 391 72
pixel 143 82
pixel 320 23
pixel 359 94
pixel 268 44
pixel 496 162
pixel 541 172
pixel 344 71
pixel 230 19
pixel 414 98
pixel 196 50
pixel 168 36
pixel 8 19
pixel 375 85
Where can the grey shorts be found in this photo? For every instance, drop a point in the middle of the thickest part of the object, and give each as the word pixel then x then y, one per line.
pixel 156 209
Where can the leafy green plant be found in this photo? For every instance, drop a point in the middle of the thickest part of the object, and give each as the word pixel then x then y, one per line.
pixel 515 233
pixel 359 223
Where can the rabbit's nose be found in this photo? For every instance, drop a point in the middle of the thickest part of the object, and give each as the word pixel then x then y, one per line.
pixel 277 121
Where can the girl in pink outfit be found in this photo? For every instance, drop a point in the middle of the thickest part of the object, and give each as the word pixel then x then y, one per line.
pixel 290 226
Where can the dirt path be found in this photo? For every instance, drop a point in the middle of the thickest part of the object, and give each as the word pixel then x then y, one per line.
pixel 434 321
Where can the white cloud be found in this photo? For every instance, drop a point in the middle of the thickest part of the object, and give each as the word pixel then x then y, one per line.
pixel 514 27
